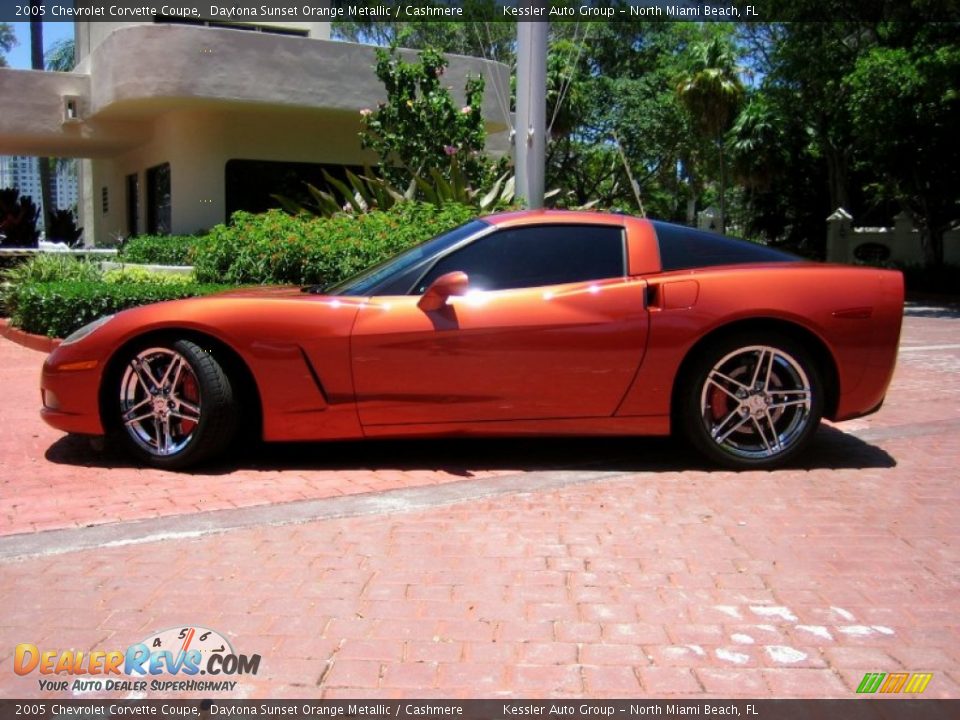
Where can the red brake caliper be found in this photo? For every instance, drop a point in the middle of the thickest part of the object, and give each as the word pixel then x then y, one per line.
pixel 719 403
pixel 190 392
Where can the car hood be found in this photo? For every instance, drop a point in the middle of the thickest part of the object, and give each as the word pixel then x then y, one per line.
pixel 266 292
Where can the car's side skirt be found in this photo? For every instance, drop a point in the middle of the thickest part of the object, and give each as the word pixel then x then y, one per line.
pixel 636 425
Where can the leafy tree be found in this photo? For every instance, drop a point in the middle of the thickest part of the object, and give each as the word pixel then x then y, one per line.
pixel 491 40
pixel 619 112
pixel 420 128
pixel 904 106
pixel 712 93
pixel 8 41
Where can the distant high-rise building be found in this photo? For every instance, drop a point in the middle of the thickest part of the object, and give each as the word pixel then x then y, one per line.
pixel 21 172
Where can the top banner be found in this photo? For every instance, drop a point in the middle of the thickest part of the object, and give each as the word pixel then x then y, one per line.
pixel 226 12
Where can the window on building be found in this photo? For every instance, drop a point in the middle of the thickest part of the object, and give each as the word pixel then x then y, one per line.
pixel 133 204
pixel 104 200
pixel 251 184
pixel 158 200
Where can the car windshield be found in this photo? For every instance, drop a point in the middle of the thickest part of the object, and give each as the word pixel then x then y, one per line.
pixel 394 276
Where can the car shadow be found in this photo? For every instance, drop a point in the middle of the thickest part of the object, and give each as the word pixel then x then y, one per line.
pixel 465 457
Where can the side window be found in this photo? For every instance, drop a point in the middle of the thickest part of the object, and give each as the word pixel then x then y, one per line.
pixel 533 256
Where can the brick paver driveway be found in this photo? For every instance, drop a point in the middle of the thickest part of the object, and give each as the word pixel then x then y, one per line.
pixel 494 568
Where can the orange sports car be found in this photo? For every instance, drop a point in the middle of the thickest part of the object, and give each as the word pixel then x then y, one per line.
pixel 528 323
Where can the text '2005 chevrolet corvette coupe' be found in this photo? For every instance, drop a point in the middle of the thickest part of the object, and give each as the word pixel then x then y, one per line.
pixel 529 323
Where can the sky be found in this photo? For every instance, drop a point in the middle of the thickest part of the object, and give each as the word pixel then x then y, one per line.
pixel 19 57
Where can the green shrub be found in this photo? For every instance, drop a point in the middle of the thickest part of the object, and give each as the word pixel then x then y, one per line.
pixel 274 247
pixel 136 274
pixel 47 267
pixel 57 309
pixel 159 249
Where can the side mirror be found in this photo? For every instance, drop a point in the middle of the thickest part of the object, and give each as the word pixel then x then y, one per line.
pixel 451 283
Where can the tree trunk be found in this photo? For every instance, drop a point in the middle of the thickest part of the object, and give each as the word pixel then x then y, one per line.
pixel 43 164
pixel 837 177
pixel 932 230
pixel 723 189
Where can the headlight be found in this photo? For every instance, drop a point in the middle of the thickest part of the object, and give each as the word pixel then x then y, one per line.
pixel 86 330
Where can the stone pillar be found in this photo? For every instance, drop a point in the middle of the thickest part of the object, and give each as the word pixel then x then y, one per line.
pixel 709 219
pixel 839 232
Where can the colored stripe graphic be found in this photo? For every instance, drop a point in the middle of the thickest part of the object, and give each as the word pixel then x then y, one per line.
pixel 870 682
pixel 918 682
pixel 896 682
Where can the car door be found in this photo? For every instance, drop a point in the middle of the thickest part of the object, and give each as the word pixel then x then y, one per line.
pixel 550 328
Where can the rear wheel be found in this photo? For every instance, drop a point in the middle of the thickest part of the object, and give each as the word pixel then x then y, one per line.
pixel 175 404
pixel 751 402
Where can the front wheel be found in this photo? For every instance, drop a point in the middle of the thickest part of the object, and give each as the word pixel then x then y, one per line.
pixel 752 403
pixel 175 404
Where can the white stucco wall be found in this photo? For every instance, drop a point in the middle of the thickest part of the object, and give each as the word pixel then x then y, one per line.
pixel 199 143
pixel 90 34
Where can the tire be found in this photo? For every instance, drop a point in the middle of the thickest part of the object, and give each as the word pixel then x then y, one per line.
pixel 174 405
pixel 749 402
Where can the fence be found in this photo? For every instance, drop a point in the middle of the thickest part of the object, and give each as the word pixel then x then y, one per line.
pixel 875 245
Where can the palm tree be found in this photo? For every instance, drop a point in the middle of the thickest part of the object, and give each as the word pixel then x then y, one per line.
pixel 711 92
pixel 60 57
pixel 36 62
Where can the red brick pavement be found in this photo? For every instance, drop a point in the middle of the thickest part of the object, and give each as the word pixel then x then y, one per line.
pixel 666 583
pixel 49 480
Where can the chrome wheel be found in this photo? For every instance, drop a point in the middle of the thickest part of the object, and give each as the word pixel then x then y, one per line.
pixel 756 403
pixel 160 402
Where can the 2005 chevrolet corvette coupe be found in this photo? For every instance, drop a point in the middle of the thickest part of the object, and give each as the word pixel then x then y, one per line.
pixel 529 323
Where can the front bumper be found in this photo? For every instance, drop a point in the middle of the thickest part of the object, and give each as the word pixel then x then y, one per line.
pixel 70 397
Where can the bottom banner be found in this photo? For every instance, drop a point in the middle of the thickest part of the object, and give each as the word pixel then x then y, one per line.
pixel 854 709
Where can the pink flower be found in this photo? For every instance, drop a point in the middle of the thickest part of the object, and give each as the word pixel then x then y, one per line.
pixel 466 110
pixel 450 149
pixel 365 112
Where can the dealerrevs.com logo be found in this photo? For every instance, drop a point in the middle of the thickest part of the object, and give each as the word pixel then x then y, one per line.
pixel 187 652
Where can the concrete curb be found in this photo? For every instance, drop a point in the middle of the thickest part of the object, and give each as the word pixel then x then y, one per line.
pixel 41 343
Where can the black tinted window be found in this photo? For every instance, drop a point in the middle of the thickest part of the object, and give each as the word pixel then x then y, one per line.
pixel 682 248
pixel 533 256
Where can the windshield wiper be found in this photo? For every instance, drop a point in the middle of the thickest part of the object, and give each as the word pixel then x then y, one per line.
pixel 314 289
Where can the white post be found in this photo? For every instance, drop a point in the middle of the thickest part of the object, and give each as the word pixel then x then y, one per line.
pixel 531 120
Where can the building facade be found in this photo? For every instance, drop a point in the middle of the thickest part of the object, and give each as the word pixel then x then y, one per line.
pixel 178 125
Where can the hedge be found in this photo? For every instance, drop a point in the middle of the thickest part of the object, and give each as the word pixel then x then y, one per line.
pixel 159 249
pixel 275 247
pixel 49 267
pixel 56 309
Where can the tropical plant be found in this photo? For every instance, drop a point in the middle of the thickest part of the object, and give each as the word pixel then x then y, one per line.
pixel 18 219
pixel 62 227
pixel 363 193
